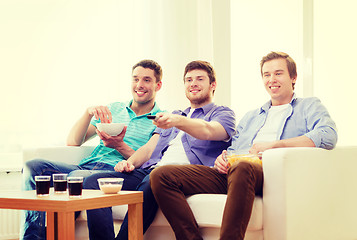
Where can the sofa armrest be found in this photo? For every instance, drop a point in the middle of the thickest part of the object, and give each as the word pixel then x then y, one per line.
pixel 310 193
pixel 66 154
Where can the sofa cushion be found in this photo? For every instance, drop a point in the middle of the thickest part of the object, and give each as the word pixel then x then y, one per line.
pixel 207 209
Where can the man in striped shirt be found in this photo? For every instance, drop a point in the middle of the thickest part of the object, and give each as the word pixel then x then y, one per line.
pixel 146 81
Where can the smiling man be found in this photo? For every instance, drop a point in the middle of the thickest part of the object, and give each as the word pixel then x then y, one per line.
pixel 146 82
pixel 193 136
pixel 284 121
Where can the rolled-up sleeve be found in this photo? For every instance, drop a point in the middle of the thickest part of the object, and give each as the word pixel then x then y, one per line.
pixel 226 117
pixel 321 128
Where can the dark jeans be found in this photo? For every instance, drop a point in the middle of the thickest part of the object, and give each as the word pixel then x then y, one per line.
pixel 100 221
pixel 171 185
pixel 149 209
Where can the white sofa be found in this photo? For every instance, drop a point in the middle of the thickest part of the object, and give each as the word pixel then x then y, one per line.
pixel 309 193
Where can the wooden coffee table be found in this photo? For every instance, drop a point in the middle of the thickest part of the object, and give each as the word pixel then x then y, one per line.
pixel 60 209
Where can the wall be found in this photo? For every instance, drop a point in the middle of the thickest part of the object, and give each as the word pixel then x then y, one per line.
pixel 59 57
pixel 335 51
pixel 259 27
pixel 55 56
pixel 320 36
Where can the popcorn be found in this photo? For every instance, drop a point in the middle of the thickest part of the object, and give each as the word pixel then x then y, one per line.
pixel 235 158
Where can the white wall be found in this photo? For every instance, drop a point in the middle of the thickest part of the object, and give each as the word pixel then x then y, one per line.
pixel 59 57
pixel 54 55
pixel 320 36
pixel 335 51
pixel 259 27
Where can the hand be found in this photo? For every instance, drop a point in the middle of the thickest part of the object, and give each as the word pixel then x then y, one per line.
pixel 124 166
pixel 261 147
pixel 166 120
pixel 112 141
pixel 221 164
pixel 100 112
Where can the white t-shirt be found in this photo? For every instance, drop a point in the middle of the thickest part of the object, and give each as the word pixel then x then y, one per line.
pixel 175 153
pixel 269 132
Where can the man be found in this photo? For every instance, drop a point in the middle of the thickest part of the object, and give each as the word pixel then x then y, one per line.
pixel 285 121
pixel 146 81
pixel 193 136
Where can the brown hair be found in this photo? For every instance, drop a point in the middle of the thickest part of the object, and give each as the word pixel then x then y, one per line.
pixel 289 62
pixel 202 65
pixel 151 65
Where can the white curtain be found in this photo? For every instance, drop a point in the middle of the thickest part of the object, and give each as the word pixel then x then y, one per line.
pixel 59 57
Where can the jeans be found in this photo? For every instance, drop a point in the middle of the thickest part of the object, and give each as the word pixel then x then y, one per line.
pixel 100 221
pixel 171 184
pixel 149 209
pixel 33 222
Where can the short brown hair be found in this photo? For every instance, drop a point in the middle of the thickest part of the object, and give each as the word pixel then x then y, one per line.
pixel 202 65
pixel 289 62
pixel 151 65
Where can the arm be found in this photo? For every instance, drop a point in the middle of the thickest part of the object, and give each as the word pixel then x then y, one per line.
pixel 138 158
pixel 301 141
pixel 83 130
pixel 322 129
pixel 197 128
pixel 117 143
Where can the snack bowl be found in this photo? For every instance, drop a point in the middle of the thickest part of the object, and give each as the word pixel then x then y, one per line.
pixel 113 129
pixel 233 158
pixel 110 185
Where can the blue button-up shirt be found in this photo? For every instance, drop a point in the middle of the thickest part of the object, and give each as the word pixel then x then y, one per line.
pixel 306 117
pixel 201 152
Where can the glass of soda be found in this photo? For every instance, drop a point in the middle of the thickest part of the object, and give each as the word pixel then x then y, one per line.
pixel 43 185
pixel 75 185
pixel 60 182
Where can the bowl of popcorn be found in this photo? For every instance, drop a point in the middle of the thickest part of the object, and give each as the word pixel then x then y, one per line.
pixel 234 157
pixel 110 185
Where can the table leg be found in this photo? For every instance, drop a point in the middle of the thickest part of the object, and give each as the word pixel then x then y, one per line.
pixel 135 221
pixel 50 218
pixel 66 225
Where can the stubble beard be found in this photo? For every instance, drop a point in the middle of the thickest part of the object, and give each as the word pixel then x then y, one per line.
pixel 201 100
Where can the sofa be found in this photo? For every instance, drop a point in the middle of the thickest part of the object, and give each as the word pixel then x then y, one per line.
pixel 308 193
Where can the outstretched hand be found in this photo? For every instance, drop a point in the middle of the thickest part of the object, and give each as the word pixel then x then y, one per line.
pixel 166 120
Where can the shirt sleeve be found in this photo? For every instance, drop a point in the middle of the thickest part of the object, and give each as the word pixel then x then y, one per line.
pixel 321 128
pixel 226 117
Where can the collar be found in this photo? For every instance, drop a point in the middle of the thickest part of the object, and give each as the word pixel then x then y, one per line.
pixel 128 104
pixel 267 105
pixel 205 109
pixel 153 111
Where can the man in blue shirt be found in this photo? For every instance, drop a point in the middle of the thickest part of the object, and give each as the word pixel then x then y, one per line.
pixel 285 121
pixel 193 136
pixel 146 81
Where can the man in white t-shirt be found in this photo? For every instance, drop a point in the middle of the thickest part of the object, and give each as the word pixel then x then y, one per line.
pixel 193 136
pixel 284 121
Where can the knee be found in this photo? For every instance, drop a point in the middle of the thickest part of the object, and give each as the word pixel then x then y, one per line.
pixel 32 166
pixel 79 173
pixel 241 170
pixel 158 176
pixel 155 177
pixel 90 182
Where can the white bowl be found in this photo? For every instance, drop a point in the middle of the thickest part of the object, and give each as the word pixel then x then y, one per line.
pixel 110 185
pixel 113 129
